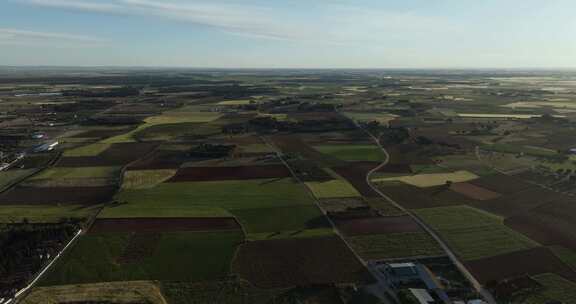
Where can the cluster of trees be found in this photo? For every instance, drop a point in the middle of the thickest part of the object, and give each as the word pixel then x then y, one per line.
pixel 212 151
pixel 24 248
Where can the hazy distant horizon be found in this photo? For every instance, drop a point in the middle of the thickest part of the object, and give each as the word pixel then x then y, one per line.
pixel 297 34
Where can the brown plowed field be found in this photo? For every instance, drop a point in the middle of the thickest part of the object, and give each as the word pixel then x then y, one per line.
pixel 550 224
pixel 161 160
pixel 229 173
pixel 163 224
pixel 378 225
pixel 520 202
pixel 541 231
pixel 60 195
pixel 501 183
pixel 474 192
pixel 117 155
pixel 297 262
pixel 526 262
pixel 356 175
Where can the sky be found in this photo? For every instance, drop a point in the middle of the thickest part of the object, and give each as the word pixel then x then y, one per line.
pixel 289 33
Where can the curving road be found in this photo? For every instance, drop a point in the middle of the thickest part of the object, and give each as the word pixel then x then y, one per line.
pixel 477 286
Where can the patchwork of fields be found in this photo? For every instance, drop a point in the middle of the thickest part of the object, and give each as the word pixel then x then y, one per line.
pixel 228 187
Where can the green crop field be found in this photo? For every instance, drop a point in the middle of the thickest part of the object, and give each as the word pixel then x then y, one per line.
pixel 185 256
pixel 42 214
pixel 77 172
pixel 230 195
pixel 260 205
pixel 352 152
pixel 167 118
pixel 395 245
pixel 88 150
pixel 555 288
pixel 281 220
pixel 472 233
pixel 332 189
pixel 9 177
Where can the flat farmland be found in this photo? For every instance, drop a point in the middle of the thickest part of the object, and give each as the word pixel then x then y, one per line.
pixel 144 179
pixel 119 154
pixel 555 288
pixel 337 188
pixel 77 172
pixel 377 225
pixel 11 176
pixel 281 221
pixel 501 183
pixel 431 179
pixel 474 192
pixel 109 292
pixel 261 206
pixel 120 225
pixel 175 256
pixel 297 262
pixel 531 262
pixel 413 197
pixel 230 173
pixel 42 213
pixel 395 245
pixel 57 196
pixel 230 195
pixel 474 234
pixel 352 152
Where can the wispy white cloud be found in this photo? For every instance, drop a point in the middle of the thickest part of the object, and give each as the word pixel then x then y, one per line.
pixel 11 36
pixel 337 23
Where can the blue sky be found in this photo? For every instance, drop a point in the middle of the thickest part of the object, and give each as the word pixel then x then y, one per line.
pixel 290 33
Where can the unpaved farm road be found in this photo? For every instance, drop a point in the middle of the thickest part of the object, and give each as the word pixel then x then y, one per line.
pixel 485 293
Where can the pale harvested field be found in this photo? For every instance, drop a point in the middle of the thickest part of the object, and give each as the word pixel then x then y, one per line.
pixel 431 179
pixel 113 292
pixel 144 179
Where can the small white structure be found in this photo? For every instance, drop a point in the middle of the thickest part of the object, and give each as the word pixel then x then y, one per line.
pixel 422 296
pixel 46 147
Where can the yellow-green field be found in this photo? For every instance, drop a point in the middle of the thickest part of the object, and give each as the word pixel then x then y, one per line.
pixel 142 179
pixel 332 189
pixel 111 292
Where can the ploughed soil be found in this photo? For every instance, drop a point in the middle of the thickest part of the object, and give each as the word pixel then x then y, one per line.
pixel 474 192
pixel 59 195
pixel 297 262
pixel 149 225
pixel 520 263
pixel 501 183
pixel 355 174
pixel 378 225
pixel 521 202
pixel 552 223
pixel 117 155
pixel 161 159
pixel 229 173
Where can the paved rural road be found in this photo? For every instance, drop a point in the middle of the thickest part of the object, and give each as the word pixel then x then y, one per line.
pixel 485 293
